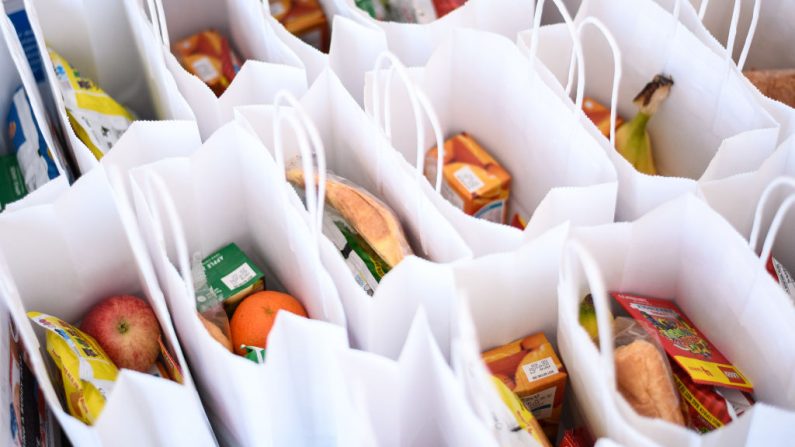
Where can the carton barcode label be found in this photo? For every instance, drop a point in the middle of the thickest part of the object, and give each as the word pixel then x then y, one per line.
pixel 239 277
pixel 205 69
pixel 468 179
pixel 540 369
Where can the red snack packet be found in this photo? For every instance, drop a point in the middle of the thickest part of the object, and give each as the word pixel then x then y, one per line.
pixel 577 437
pixel 683 342
pixel 208 56
pixel 443 7
pixel 781 275
pixel 706 407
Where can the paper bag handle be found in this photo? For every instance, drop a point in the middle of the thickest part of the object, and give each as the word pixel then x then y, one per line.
pixel 158 20
pixel 735 20
pixel 617 68
pixel 307 134
pixel 778 219
pixel 576 47
pixel 418 99
pixel 573 252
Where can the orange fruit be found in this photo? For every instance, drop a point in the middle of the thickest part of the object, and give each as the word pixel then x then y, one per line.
pixel 254 317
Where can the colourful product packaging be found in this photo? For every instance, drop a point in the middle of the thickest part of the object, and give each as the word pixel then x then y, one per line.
pixel 707 407
pixel 30 420
pixel 600 116
pixel 12 182
pixel 232 276
pixel 305 19
pixel 96 118
pixel 208 56
pixel 532 370
pixel 472 180
pixel 87 372
pixel 683 342
pixel 36 159
pixel 524 418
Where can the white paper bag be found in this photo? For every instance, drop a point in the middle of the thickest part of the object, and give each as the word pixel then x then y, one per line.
pixel 711 126
pixel 559 172
pixel 357 151
pixel 703 265
pixel 750 202
pixel 268 64
pixel 96 38
pixel 358 39
pixel 92 252
pixel 15 73
pixel 231 191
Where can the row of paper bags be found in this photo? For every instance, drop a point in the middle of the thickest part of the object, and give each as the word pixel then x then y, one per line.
pixel 403 367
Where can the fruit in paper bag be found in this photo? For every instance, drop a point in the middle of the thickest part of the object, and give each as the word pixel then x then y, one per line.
pixel 127 329
pixel 254 318
pixel 588 318
pixel 632 139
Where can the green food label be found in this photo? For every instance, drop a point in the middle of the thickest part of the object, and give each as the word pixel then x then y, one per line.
pixel 253 353
pixel 230 272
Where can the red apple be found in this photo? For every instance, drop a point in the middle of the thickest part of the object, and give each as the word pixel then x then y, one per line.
pixel 127 329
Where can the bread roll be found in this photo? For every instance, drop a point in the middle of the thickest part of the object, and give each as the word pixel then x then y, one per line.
pixel 646 383
pixel 775 84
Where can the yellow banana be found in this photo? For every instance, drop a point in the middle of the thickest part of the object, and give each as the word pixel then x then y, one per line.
pixel 632 139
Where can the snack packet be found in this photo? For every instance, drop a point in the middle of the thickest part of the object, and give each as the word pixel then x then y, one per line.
pixel 524 418
pixel 36 160
pixel 365 231
pixel 208 56
pixel 305 19
pixel 96 118
pixel 208 304
pixel 707 407
pixel 782 276
pixel 87 372
pixel 643 374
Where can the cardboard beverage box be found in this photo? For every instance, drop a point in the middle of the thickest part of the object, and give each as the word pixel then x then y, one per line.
pixel 532 370
pixel 305 19
pixel 472 180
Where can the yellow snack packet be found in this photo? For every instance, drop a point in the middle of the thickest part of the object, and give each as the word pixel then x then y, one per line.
pixel 524 418
pixel 86 371
pixel 97 119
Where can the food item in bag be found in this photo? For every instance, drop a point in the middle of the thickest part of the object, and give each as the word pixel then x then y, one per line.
pixel 255 316
pixel 127 329
pixel 600 115
pixel 365 230
pixel 408 11
pixel 683 342
pixel 36 160
pixel 209 57
pixel 232 276
pixel 643 375
pixel 782 276
pixel 31 421
pixel 708 407
pixel 87 372
pixel 12 183
pixel 255 354
pixel 97 120
pixel 632 138
pixel 471 179
pixel 587 318
pixel 530 368
pixel 775 84
pixel 577 437
pixel 524 418
pixel 305 19
pixel 216 332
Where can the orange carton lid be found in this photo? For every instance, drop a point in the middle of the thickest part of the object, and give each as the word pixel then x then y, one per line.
pixel 470 170
pixel 526 364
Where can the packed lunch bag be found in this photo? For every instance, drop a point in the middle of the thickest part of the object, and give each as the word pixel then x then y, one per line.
pixel 558 172
pixel 356 152
pixel 92 252
pixel 251 65
pixel 101 84
pixel 698 132
pixel 31 157
pixel 186 215
pixel 701 266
